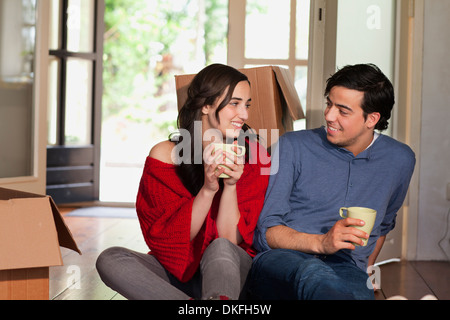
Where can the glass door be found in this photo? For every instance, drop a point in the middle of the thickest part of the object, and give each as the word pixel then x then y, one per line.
pixel 366 33
pixel 147 43
pixel 75 86
pixel 17 82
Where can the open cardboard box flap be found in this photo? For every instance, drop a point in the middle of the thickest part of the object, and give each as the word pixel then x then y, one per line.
pixel 294 105
pixel 31 231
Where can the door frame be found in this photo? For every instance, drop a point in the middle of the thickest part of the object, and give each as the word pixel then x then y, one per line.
pixel 408 120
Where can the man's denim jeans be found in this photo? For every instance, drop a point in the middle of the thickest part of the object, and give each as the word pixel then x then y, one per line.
pixel 292 275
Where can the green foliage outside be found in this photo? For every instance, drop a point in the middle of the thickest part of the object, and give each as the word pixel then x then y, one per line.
pixel 144 42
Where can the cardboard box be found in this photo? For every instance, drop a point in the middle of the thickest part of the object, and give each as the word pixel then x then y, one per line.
pixel 31 232
pixel 275 102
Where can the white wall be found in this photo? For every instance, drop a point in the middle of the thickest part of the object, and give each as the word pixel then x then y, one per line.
pixel 434 170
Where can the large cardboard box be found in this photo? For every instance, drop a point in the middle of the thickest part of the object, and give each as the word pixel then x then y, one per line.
pixel 275 102
pixel 31 232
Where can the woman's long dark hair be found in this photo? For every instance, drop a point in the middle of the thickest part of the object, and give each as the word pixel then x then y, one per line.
pixel 206 87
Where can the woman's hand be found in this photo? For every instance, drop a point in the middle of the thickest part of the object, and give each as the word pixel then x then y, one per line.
pixel 212 169
pixel 235 169
pixel 203 200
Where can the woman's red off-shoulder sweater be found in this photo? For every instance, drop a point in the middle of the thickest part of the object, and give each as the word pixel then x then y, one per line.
pixel 164 208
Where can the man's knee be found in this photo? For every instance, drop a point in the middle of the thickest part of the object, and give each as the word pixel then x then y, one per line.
pixel 313 268
pixel 271 276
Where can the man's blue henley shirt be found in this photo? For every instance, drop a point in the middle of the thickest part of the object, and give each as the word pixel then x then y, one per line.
pixel 312 178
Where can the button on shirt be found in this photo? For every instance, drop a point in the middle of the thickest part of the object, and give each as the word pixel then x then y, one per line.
pixel 312 178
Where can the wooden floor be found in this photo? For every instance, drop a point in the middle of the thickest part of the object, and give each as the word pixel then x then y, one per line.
pixel 79 280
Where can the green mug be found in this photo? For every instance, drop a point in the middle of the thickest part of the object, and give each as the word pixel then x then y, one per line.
pixel 361 213
pixel 230 148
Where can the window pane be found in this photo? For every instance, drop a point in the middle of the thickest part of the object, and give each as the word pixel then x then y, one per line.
pixel 53 97
pixel 55 26
pixel 303 8
pixel 301 82
pixel 78 102
pixel 267 29
pixel 80 26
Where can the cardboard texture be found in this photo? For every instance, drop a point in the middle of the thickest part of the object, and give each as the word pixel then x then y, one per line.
pixel 31 232
pixel 275 102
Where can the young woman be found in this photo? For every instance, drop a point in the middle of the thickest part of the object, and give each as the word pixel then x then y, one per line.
pixel 199 227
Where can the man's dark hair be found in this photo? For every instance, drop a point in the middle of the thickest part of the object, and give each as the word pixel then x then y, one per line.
pixel 378 90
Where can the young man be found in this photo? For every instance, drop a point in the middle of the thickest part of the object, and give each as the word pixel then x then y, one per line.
pixel 306 249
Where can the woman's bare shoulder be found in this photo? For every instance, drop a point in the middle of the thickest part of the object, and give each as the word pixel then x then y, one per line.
pixel 163 151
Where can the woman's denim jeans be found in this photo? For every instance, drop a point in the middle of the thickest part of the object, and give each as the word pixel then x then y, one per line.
pixel 292 275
